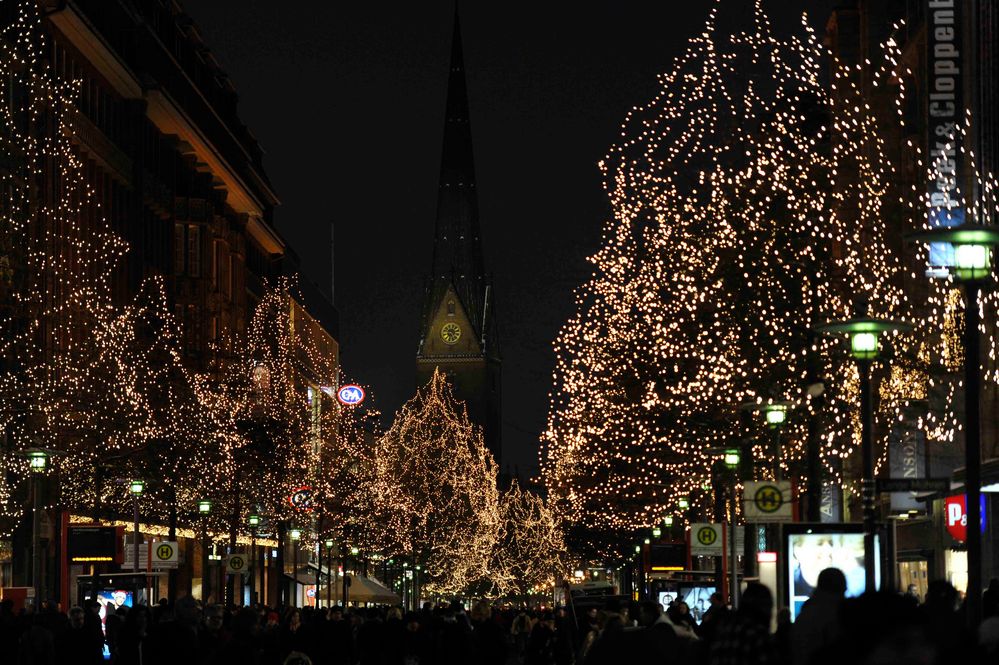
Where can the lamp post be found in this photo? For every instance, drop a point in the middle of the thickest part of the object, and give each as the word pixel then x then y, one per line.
pixel 38 460
pixel 732 458
pixel 973 245
pixel 136 487
pixel 865 346
pixel 346 578
pixel 204 510
pixel 329 572
pixel 296 535
pixel 774 415
pixel 253 521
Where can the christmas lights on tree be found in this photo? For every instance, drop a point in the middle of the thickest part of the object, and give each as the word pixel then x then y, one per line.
pixel 530 552
pixel 748 207
pixel 434 487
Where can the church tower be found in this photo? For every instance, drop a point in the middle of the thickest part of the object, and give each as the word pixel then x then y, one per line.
pixel 458 331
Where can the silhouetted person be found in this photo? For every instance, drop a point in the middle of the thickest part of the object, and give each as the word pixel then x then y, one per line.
pixel 542 643
pixel 744 638
pixel 176 640
pixel 658 638
pixel 81 643
pixel 133 646
pixel 488 640
pixel 713 617
pixel 817 626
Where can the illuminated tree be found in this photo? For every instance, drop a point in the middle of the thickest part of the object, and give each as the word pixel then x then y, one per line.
pixel 435 496
pixel 748 207
pixel 530 552
pixel 268 394
pixel 80 373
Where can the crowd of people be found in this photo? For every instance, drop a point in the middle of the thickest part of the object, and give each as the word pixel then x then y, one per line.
pixel 873 629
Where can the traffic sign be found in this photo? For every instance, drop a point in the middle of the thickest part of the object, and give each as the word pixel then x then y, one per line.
pixel 301 498
pixel 705 539
pixel 165 554
pixel 235 563
pixel 913 484
pixel 766 501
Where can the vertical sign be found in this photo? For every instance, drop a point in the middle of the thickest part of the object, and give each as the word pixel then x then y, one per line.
pixel 945 110
pixel 831 508
pixel 906 459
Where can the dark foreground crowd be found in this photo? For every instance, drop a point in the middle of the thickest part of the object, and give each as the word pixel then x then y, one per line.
pixel 874 629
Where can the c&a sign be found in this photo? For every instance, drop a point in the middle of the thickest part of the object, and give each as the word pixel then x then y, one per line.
pixel 956 516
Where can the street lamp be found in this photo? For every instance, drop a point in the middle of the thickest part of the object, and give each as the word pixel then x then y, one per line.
pixel 329 571
pixel 204 509
pixel 683 503
pixel 38 460
pixel 253 521
pixel 865 346
pixel 668 521
pixel 656 532
pixel 731 458
pixel 296 535
pixel 136 488
pixel 973 245
pixel 774 415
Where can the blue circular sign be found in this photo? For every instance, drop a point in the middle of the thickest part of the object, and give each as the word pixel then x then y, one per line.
pixel 350 395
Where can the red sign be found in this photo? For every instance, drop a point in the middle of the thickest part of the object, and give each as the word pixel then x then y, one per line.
pixel 301 499
pixel 956 516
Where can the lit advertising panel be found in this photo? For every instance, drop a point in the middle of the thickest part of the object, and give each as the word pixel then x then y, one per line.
pixel 810 550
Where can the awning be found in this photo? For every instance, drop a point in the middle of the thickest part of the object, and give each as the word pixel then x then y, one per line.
pixel 307 574
pixel 362 590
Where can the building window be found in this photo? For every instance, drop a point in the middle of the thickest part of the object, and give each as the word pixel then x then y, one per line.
pixel 187 249
pixel 179 243
pixel 193 250
pixel 216 263
pixel 450 308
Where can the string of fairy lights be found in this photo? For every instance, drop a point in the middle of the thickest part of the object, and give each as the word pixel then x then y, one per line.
pixel 437 503
pixel 749 203
pixel 107 385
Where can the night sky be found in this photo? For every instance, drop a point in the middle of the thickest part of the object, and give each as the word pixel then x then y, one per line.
pixel 347 101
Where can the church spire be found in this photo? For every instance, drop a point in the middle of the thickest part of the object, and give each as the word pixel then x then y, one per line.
pixel 457 259
pixel 458 329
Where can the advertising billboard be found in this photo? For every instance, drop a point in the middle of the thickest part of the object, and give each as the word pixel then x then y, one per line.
pixel 811 549
pixel 696 596
pixel 111 600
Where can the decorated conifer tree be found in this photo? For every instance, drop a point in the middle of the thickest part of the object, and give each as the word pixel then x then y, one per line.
pixel 435 498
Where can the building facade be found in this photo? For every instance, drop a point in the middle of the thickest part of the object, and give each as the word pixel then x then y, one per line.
pixel 947 67
pixel 180 178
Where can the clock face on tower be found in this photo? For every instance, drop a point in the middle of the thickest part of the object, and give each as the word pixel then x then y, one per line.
pixel 450 333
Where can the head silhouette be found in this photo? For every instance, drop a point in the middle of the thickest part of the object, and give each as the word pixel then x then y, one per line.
pixel 832 580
